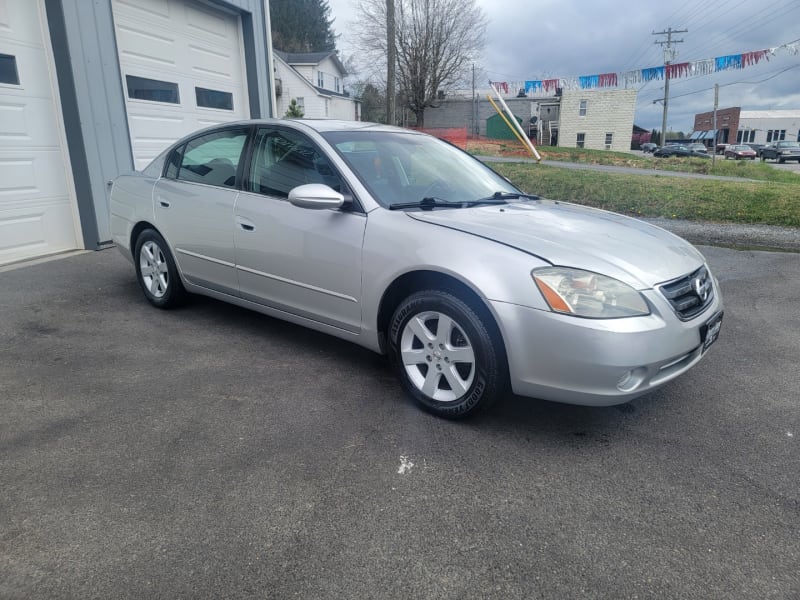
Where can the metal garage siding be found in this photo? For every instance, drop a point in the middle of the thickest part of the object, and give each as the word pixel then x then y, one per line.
pixel 38 214
pixel 185 43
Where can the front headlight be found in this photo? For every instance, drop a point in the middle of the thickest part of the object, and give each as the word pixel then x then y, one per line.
pixel 586 294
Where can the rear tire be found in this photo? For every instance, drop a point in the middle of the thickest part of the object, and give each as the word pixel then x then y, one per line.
pixel 446 356
pixel 156 271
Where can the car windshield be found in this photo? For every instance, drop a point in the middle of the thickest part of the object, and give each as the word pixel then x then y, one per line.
pixel 400 167
pixel 788 144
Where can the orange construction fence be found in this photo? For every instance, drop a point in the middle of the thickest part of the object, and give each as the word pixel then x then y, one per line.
pixel 455 135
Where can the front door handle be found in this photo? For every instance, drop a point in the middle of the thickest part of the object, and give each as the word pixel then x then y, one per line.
pixel 245 224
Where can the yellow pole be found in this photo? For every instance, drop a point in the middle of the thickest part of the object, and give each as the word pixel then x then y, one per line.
pixel 502 116
pixel 516 126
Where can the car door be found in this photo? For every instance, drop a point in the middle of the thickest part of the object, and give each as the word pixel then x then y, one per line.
pixel 301 261
pixel 194 207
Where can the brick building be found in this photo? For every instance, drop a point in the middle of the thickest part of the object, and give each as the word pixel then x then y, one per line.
pixel 735 125
pixel 727 126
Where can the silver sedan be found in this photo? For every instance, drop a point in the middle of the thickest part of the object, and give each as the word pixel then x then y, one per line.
pixel 406 245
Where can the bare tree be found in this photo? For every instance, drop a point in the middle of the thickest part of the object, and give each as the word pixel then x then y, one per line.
pixel 435 40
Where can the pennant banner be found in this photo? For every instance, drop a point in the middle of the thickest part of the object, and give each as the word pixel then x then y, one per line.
pixel 634 77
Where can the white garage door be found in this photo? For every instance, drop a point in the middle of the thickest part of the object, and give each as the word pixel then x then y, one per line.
pixel 38 213
pixel 182 68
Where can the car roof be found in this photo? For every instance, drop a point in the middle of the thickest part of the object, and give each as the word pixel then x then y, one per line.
pixel 321 125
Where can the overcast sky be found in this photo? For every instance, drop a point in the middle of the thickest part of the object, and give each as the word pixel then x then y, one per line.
pixel 542 39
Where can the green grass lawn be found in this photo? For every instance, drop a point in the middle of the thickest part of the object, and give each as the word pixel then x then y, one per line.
pixel 774 199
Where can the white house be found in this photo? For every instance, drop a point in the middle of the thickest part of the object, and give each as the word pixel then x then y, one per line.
pixel 316 81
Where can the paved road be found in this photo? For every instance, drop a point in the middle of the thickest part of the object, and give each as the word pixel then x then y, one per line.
pixel 213 452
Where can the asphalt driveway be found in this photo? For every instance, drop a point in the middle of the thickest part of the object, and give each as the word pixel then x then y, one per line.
pixel 214 452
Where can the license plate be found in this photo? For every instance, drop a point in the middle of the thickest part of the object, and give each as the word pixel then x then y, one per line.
pixel 709 332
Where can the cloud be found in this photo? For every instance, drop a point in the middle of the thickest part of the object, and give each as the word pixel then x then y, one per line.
pixel 569 38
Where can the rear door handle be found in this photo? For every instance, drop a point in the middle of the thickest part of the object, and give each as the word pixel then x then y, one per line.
pixel 245 224
pixel 163 203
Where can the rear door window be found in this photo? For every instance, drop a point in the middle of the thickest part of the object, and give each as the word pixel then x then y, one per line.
pixel 212 159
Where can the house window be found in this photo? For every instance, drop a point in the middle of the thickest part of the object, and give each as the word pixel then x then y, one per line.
pixel 775 135
pixel 140 88
pixel 337 84
pixel 580 140
pixel 320 79
pixel 745 136
pixel 8 69
pixel 609 140
pixel 582 108
pixel 301 103
pixel 207 98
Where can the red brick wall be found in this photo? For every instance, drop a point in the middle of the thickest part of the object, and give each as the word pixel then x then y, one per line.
pixel 727 118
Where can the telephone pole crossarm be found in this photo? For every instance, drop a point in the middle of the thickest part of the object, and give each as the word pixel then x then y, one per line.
pixel 669 56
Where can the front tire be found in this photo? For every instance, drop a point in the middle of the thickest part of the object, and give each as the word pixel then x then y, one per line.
pixel 156 271
pixel 446 356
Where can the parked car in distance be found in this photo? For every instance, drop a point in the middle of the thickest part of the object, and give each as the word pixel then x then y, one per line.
pixel 720 148
pixel 697 147
pixel 781 151
pixel 680 151
pixel 740 151
pixel 404 244
pixel 648 147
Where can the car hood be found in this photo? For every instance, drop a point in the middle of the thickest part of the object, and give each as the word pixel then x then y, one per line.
pixel 564 234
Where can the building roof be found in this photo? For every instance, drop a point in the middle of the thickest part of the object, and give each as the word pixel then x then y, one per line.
pixel 310 58
pixel 770 114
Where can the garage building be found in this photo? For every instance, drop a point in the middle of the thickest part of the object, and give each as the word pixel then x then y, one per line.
pixel 91 89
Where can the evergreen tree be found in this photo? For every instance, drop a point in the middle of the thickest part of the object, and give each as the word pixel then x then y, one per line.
pixel 302 25
pixel 294 111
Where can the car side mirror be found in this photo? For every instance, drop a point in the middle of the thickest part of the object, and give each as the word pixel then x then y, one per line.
pixel 316 196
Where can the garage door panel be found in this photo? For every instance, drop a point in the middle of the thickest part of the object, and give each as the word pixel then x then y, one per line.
pixel 153 11
pixel 137 44
pixel 215 65
pixel 208 25
pixel 26 176
pixel 27 122
pixel 34 80
pixel 19 25
pixel 35 230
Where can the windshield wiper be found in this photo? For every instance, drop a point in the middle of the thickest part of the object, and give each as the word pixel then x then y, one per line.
pixel 427 203
pixel 501 198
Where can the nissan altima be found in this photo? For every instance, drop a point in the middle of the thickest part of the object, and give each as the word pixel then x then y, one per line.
pixel 404 244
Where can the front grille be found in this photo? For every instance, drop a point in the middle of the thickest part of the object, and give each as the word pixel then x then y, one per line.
pixel 690 295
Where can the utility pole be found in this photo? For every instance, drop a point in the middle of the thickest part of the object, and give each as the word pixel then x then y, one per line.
pixel 391 61
pixel 669 56
pixel 714 125
pixel 474 104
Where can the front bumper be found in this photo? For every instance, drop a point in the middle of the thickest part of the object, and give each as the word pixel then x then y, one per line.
pixel 599 362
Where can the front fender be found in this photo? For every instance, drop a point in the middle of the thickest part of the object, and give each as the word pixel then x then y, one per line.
pixel 395 245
